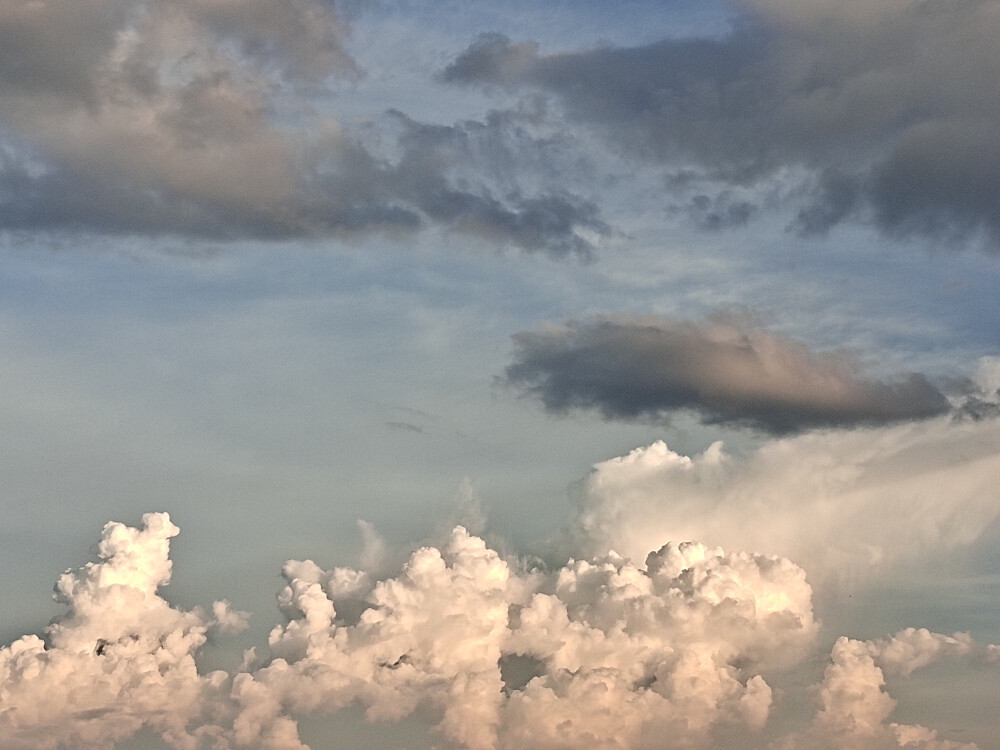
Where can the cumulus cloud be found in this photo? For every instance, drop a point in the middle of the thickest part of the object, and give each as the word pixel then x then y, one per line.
pixel 601 652
pixel 725 370
pixel 121 659
pixel 672 647
pixel 195 118
pixel 838 503
pixel 888 104
pixel 914 648
pixel 854 707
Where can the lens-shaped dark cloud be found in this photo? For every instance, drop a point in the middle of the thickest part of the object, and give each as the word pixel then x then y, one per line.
pixel 892 103
pixel 726 371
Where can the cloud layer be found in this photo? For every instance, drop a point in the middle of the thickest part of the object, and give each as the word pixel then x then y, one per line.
pixel 888 105
pixel 192 119
pixel 727 371
pixel 195 120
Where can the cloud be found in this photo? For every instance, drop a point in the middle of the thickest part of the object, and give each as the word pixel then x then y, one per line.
pixel 71 51
pixel 201 119
pixel 842 504
pixel 914 648
pixel 854 708
pixel 168 108
pixel 446 172
pixel 121 658
pixel 725 370
pixel 603 636
pixel 601 652
pixel 892 98
pixel 722 212
pixel 435 635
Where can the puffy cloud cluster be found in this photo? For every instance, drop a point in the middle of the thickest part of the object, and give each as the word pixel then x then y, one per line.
pixel 120 660
pixel 601 653
pixel 690 649
pixel 633 656
pixel 888 105
pixel 726 370
pixel 431 635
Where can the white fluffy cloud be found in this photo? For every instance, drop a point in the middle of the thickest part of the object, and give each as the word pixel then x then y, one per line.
pixel 836 502
pixel 615 653
pixel 121 659
pixel 854 707
pixel 601 653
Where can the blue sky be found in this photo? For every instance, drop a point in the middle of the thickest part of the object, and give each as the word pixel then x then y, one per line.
pixel 327 282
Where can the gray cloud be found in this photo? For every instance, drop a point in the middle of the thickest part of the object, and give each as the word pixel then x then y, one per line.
pixel 941 179
pixel 187 119
pixel 52 48
pixel 442 171
pixel 892 105
pixel 720 212
pixel 834 198
pixel 725 370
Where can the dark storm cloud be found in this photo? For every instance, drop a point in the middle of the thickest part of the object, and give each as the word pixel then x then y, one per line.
pixel 547 223
pixel 187 118
pixel 664 100
pixel 894 106
pixel 942 178
pixel 724 370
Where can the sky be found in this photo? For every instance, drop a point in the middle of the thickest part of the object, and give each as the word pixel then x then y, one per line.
pixel 476 376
